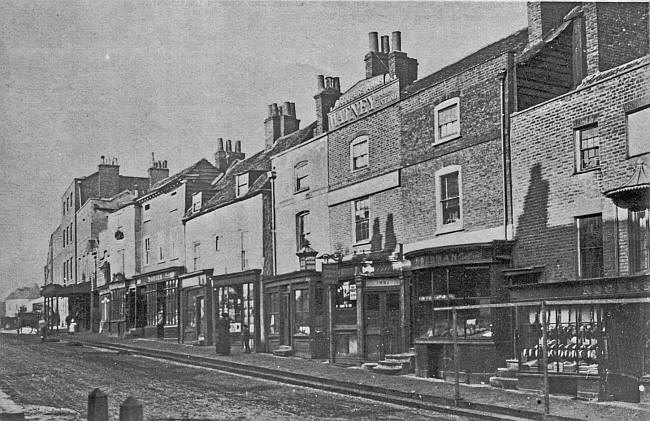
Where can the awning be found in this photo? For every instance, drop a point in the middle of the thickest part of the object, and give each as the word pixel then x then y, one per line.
pixel 56 290
pixel 634 194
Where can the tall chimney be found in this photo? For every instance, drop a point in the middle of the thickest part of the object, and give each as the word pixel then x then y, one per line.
pixel 400 64
pixel 385 46
pixel 325 99
pixel 544 16
pixel 228 145
pixel 108 178
pixel 157 172
pixel 373 41
pixel 376 61
pixel 288 121
pixel 272 126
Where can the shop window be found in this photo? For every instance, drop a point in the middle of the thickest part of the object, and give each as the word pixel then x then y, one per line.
pixel 449 204
pixel 574 334
pixel 590 246
pixel 638 127
pixel 361 220
pixel 302 230
pixel 346 303
pixel 301 175
pixel 455 286
pixel 301 312
pixel 274 313
pixel 117 304
pixel 238 301
pixel 242 184
pixel 587 148
pixel 447 120
pixel 359 153
pixel 639 240
pixel 171 302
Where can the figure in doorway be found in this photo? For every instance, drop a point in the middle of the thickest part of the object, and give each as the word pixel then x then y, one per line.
pixel 245 338
pixel 222 339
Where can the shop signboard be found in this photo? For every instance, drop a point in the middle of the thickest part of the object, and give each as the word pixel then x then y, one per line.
pixel 375 100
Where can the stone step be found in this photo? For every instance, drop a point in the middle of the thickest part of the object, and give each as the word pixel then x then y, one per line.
pixel 393 363
pixel 504 382
pixel 369 366
pixel 283 351
pixel 380 368
pixel 504 372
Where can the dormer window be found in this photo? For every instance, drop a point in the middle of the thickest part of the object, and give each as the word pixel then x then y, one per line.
pixel 242 184
pixel 197 200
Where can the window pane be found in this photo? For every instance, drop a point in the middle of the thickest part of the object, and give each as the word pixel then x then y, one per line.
pixel 638 127
pixel 638 239
pixel 448 123
pixel 360 154
pixel 590 241
pixel 589 143
pixel 362 220
pixel 449 185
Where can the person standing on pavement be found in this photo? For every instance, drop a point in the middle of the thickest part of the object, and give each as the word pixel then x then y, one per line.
pixel 222 340
pixel 160 324
pixel 245 338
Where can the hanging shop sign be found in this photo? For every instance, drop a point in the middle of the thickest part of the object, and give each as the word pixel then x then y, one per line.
pixel 351 111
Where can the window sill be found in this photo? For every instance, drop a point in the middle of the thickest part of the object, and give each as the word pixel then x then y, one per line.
pixel 353 170
pixel 578 172
pixel 361 243
pixel 161 262
pixel 445 139
pixel 173 259
pixel 441 230
pixel 301 191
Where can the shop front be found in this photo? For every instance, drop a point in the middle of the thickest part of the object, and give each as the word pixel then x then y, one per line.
pixel 461 276
pixel 237 295
pixel 157 294
pixel 296 313
pixel 598 334
pixel 370 315
pixel 62 301
pixel 196 308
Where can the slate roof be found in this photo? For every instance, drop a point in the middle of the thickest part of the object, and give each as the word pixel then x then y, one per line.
pixel 193 171
pixel 25 293
pixel 258 166
pixel 515 42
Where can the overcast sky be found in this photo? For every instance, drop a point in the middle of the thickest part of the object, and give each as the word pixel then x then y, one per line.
pixel 81 79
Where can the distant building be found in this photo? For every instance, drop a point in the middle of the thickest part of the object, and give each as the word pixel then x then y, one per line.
pixel 24 297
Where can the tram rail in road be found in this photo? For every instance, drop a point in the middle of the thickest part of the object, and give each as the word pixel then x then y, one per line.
pixel 412 400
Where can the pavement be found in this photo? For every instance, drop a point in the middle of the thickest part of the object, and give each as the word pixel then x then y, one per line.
pixel 512 401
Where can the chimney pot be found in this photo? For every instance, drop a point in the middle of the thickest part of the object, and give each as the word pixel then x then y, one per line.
pixel 228 145
pixel 102 157
pixel 292 106
pixel 220 141
pixel 385 45
pixel 397 41
pixel 320 79
pixel 274 109
pixel 337 84
pixel 373 42
pixel 238 146
pixel 286 108
pixel 165 163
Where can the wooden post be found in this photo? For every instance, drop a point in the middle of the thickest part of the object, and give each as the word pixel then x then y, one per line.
pixel 545 358
pixel 209 311
pixel 131 410
pixel 454 335
pixel 331 290
pixel 97 406
pixel 361 315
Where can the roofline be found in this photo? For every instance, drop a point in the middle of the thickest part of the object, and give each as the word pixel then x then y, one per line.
pixel 207 210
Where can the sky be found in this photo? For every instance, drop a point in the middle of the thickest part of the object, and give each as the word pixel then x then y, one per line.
pixel 82 79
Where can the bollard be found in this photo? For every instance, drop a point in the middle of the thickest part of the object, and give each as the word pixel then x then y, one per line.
pixel 97 406
pixel 131 410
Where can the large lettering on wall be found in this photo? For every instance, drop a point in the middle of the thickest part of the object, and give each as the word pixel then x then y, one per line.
pixel 360 107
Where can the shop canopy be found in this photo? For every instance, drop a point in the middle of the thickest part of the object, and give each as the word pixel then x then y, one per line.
pixel 56 290
pixel 634 194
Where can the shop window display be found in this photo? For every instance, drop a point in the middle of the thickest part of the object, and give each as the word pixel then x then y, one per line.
pixel 238 302
pixel 446 287
pixel 573 339
pixel 301 317
pixel 346 303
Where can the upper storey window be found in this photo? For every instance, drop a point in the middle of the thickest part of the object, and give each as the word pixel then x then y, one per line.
pixel 588 148
pixel 447 120
pixel 638 127
pixel 359 153
pixel 449 205
pixel 301 174
pixel 242 184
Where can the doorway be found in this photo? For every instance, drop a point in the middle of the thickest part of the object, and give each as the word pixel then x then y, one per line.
pixel 382 324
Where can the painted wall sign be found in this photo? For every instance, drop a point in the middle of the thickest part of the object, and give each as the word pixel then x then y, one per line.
pixel 359 108
pixel 374 283
pixel 194 281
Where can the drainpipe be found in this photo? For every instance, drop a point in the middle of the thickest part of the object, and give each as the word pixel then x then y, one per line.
pixel 504 152
pixel 272 176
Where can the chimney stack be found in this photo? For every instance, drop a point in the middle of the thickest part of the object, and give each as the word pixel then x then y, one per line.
pixel 281 121
pixel 400 64
pixel 327 95
pixel 376 61
pixel 544 16
pixel 157 172
pixel 108 177
pixel 223 158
